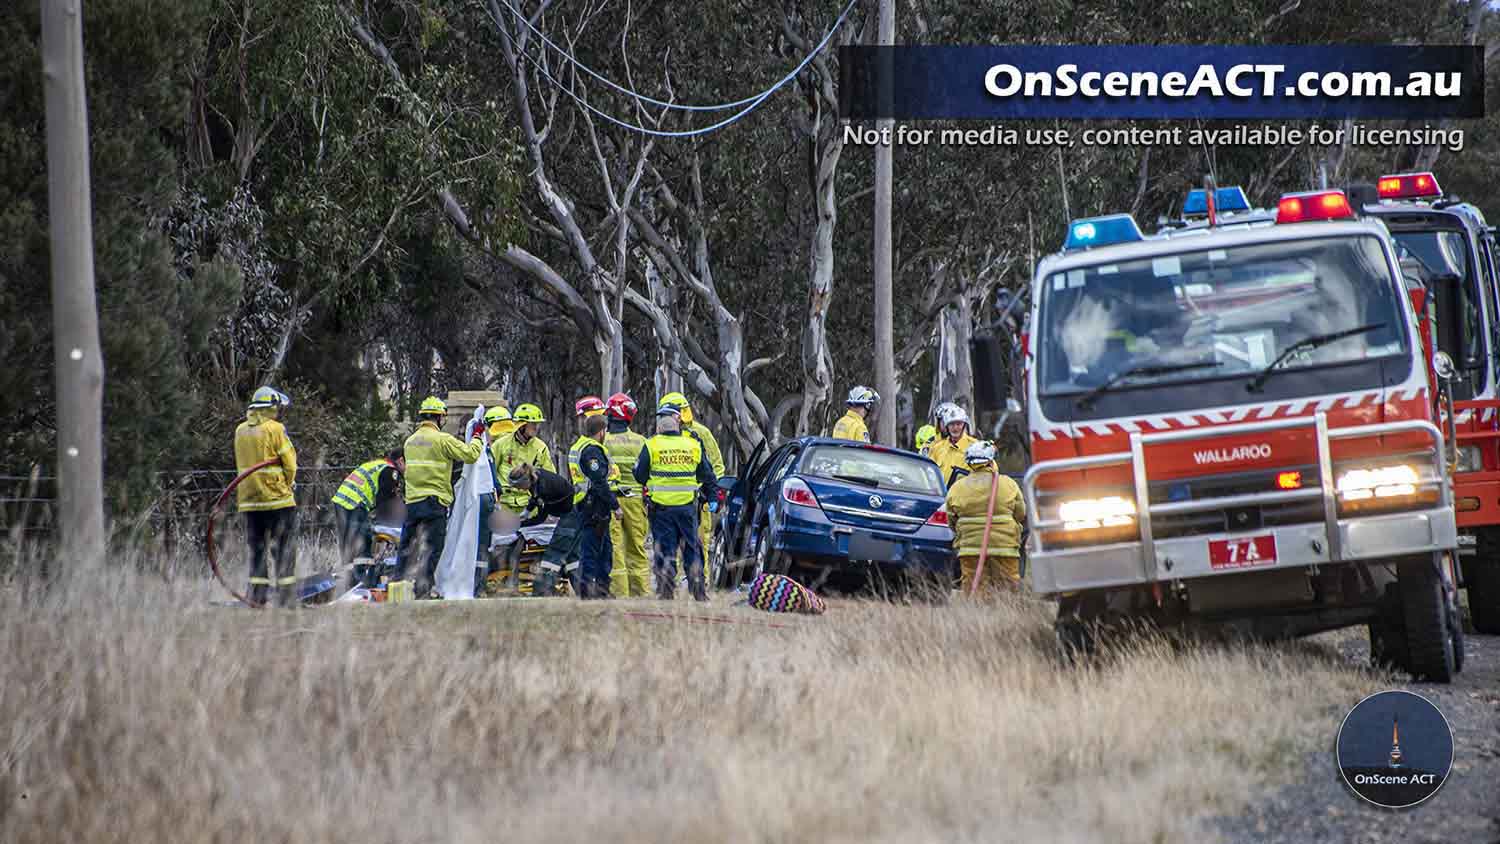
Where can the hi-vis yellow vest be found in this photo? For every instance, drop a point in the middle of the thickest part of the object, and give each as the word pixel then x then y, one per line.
pixel 674 468
pixel 359 486
pixel 580 480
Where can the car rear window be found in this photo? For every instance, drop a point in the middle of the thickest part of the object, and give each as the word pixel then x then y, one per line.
pixel 875 469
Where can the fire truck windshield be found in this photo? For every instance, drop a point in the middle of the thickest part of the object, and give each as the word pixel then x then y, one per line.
pixel 1233 309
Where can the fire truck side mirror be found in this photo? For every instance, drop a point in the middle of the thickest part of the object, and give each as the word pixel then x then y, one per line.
pixel 987 359
pixel 1443 366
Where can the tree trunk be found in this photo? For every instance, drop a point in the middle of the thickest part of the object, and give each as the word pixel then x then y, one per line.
pixel 75 318
pixel 885 342
pixel 953 376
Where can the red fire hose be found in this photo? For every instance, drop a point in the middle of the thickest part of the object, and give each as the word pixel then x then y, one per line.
pixel 213 515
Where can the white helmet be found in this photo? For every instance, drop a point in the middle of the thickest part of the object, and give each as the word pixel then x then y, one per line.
pixel 980 453
pixel 948 413
pixel 862 395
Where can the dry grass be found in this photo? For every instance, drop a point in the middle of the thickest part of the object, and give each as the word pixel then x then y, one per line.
pixel 151 717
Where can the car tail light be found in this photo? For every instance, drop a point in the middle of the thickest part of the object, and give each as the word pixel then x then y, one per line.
pixel 939 518
pixel 795 491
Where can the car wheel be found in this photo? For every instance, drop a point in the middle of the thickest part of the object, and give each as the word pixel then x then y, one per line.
pixel 718 568
pixel 1426 609
pixel 767 560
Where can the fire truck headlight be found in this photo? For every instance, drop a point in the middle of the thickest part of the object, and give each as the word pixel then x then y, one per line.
pixel 1090 513
pixel 1470 459
pixel 1094 521
pixel 1384 488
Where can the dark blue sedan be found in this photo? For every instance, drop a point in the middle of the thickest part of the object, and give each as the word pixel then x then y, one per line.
pixel 818 508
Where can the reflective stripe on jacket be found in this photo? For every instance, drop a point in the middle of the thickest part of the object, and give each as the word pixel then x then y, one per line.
pixel 851 427
pixel 624 449
pixel 673 475
pixel 966 504
pixel 359 486
pixel 430 454
pixel 580 480
pixel 508 453
pixel 257 439
pixel 949 455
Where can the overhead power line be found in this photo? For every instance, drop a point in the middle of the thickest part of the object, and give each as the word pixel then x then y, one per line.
pixel 750 104
pixel 647 99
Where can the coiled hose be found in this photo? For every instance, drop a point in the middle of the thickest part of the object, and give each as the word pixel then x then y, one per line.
pixel 208 535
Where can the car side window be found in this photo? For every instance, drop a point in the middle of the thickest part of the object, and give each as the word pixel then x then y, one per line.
pixel 786 465
pixel 764 474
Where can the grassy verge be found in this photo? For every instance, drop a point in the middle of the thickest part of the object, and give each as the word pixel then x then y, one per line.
pixel 142 714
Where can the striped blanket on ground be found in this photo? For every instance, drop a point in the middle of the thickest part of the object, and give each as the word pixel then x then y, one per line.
pixel 779 593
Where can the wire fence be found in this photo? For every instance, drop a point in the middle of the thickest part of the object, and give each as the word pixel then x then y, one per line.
pixel 179 513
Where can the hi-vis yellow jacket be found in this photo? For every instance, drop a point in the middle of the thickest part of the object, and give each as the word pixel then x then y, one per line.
pixel 966 505
pixel 949 455
pixel 508 453
pixel 851 427
pixel 430 453
pixel 260 437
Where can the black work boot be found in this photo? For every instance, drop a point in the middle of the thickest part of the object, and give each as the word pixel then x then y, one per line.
pixel 259 593
pixel 286 596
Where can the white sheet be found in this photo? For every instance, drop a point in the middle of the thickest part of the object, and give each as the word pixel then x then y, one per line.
pixel 455 570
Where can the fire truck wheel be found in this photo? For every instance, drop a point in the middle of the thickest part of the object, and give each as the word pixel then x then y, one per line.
pixel 1427 613
pixel 1483 578
pixel 1456 625
pixel 1388 633
pixel 1077 625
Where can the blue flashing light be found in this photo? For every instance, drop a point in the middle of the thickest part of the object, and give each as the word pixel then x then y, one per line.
pixel 1102 231
pixel 1228 199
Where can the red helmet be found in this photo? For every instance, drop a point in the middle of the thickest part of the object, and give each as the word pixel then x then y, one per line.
pixel 621 406
pixel 588 406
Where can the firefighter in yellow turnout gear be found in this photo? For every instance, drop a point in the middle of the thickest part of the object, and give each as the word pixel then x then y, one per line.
pixel 266 496
pixel 851 426
pixel 948 452
pixel 631 575
pixel 968 503
pixel 520 446
pixel 430 452
pixel 699 431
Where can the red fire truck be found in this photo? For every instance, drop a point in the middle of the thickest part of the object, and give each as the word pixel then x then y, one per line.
pixel 1447 246
pixel 1234 426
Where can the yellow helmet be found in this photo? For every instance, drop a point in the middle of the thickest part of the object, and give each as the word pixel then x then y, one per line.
pixel 529 413
pixel 679 401
pixel 433 404
pixel 496 414
pixel 926 435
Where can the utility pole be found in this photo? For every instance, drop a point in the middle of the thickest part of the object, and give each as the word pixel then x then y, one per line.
pixel 885 341
pixel 75 318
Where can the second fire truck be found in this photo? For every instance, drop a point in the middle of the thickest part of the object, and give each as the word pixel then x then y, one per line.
pixel 1235 425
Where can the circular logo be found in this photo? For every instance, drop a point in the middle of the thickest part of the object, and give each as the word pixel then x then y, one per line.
pixel 875 501
pixel 1395 749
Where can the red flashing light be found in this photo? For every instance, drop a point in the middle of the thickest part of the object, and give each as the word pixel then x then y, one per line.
pixel 1320 205
pixel 939 518
pixel 1408 186
pixel 796 491
pixel 1289 480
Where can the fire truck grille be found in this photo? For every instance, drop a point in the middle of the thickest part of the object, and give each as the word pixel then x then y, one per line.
pixel 1233 519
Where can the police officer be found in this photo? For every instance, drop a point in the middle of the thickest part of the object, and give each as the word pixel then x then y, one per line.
pixel 363 491
pixel 673 468
pixel 430 454
pixel 700 432
pixel 265 497
pixel 596 505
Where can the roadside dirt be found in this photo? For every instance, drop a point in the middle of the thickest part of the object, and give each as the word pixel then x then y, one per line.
pixel 1319 807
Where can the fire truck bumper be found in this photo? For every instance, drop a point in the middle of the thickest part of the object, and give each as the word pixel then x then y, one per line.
pixel 1365 538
